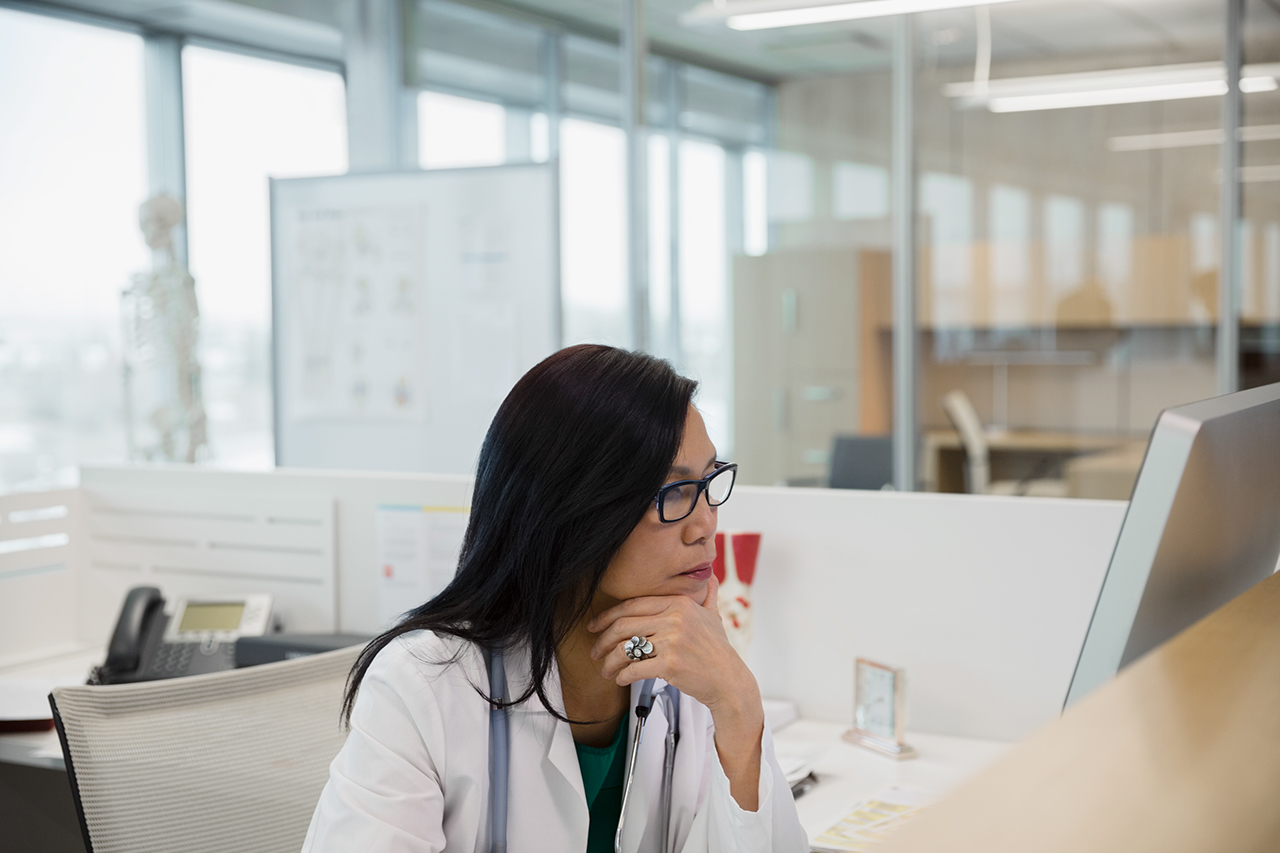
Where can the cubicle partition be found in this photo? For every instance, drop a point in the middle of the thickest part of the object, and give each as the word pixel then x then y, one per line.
pixel 39 547
pixel 984 600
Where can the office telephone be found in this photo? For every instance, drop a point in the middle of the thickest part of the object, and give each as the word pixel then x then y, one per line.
pixel 194 636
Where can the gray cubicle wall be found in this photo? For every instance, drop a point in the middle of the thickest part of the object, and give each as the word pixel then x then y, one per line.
pixel 405 306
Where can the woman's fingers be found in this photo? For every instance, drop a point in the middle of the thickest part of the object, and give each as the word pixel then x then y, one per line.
pixel 645 605
pixel 690 649
pixel 639 671
pixel 659 611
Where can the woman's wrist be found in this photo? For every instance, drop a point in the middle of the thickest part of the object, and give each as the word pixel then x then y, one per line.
pixel 739 725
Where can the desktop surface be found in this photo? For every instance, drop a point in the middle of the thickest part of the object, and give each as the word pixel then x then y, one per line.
pixel 848 773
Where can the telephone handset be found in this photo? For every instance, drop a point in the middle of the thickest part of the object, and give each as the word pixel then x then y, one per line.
pixel 196 636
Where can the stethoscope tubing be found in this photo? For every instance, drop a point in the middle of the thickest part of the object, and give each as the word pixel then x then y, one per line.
pixel 499 754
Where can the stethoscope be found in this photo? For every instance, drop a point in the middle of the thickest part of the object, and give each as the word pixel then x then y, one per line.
pixel 500 757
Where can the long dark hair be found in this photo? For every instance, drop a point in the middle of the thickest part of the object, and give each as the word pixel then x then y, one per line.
pixel 568 468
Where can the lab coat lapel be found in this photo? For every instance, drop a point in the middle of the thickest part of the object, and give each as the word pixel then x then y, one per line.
pixel 555 786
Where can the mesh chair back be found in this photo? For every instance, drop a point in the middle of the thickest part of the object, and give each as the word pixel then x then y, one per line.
pixel 232 761
pixel 966 422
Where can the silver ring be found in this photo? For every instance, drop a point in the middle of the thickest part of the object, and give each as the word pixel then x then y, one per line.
pixel 638 648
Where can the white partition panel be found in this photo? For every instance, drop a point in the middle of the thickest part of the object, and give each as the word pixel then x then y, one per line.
pixel 308 537
pixel 984 600
pixel 38 549
pixel 196 532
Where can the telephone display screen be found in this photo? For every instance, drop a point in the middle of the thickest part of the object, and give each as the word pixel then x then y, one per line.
pixel 211 617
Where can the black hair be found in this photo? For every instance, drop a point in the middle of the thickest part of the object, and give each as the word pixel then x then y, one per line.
pixel 568 468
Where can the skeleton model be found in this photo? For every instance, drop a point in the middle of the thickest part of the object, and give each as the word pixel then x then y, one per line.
pixel 161 334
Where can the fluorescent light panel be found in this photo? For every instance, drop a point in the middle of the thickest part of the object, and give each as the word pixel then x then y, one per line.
pixel 1118 86
pixel 1128 95
pixel 769 14
pixel 1191 138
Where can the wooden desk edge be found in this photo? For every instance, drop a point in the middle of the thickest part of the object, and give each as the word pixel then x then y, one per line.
pixel 1180 752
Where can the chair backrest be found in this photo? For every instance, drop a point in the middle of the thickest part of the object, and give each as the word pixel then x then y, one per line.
pixel 966 422
pixel 233 761
pixel 861 462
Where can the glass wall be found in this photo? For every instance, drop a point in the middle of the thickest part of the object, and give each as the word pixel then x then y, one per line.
pixel 1068 168
pixel 1260 195
pixel 72 176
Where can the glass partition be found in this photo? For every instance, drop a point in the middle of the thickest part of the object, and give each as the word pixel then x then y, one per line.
pixel 1068 216
pixel 1260 196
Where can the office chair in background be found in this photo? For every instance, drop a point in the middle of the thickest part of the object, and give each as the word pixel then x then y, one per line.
pixel 232 761
pixel 861 462
pixel 977 455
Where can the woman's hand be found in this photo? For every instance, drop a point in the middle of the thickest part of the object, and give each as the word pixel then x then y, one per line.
pixel 692 653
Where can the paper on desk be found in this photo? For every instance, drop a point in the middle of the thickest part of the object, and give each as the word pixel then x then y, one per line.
pixel 28 698
pixel 418 551
pixel 869 821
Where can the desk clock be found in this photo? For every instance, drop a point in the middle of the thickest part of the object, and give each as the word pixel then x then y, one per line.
pixel 880 709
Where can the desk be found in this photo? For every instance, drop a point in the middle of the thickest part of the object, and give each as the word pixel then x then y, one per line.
pixel 1179 753
pixel 1109 475
pixel 41 749
pixel 37 813
pixel 847 773
pixel 1014 454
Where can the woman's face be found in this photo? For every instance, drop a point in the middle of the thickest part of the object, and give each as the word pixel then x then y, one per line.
pixel 660 558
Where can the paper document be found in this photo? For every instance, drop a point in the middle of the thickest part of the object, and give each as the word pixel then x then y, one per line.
pixel 418 550
pixel 869 821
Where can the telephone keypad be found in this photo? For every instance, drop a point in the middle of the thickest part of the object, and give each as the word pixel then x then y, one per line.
pixel 172 660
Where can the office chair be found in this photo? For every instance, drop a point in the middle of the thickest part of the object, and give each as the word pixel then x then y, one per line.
pixel 965 419
pixel 231 761
pixel 861 462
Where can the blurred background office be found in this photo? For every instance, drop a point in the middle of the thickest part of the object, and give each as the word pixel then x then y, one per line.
pixel 1068 211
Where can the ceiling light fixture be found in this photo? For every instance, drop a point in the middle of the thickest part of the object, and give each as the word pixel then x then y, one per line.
pixel 769 14
pixel 1118 86
pixel 1191 138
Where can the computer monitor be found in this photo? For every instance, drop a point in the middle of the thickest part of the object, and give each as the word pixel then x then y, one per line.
pixel 1203 526
pixel 861 462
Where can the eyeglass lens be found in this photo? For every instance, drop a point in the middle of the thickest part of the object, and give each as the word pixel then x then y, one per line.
pixel 679 502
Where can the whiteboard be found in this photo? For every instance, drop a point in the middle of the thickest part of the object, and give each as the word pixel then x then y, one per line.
pixel 404 307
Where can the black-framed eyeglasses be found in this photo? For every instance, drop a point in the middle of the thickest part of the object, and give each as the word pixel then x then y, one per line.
pixel 677 500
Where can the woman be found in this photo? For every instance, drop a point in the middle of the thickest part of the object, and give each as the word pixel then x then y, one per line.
pixel 591 523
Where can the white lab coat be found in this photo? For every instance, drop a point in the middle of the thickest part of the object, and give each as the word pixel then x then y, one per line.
pixel 414 773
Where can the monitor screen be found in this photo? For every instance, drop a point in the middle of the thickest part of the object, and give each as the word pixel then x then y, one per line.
pixel 1203 526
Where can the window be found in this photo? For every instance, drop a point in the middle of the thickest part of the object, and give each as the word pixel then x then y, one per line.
pixel 72 175
pixel 456 131
pixel 247 120
pixel 487 84
pixel 705 321
pixel 593 253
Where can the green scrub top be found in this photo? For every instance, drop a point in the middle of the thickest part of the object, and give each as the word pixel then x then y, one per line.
pixel 603 769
